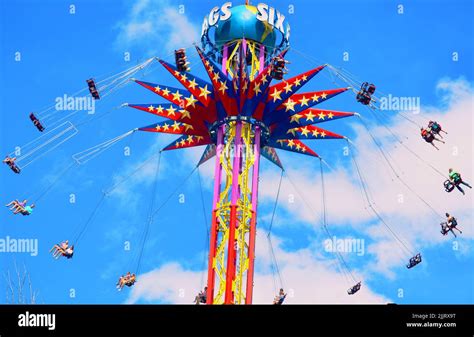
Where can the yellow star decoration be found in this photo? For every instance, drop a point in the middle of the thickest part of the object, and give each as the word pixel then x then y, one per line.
pixel 324 95
pixel 187 127
pixel 159 109
pixel 256 89
pixel 198 138
pixel 204 92
pixel 297 82
pixel 288 87
pixel 192 84
pixel 304 131
pixel 185 114
pixel 157 88
pixel 315 98
pixel 290 105
pixel 296 118
pixel 276 95
pixel 292 131
pixel 151 108
pixel 315 133
pixel 184 77
pixel 171 111
pixel 190 140
pixel 330 115
pixel 183 142
pixel 303 149
pixel 223 87
pixel 310 116
pixel 176 126
pixel 207 63
pixel 304 78
pixel 323 134
pixel 291 143
pixel 166 127
pixel 321 115
pixel 264 79
pixel 298 147
pixel 176 73
pixel 165 92
pixel 177 96
pixel 158 127
pixel 280 141
pixel 304 101
pixel 190 101
pixel 215 78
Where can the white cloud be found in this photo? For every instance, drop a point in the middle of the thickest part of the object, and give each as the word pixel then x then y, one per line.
pixel 158 27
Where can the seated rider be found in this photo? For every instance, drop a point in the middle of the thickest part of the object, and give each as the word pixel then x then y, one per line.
pixel 452 222
pixel 429 137
pixel 414 261
pixel 278 68
pixel 280 298
pixel 130 279
pixel 364 95
pixel 127 280
pixel 27 210
pixel 36 122
pixel 435 127
pixel 11 163
pixel 68 252
pixel 93 89
pixel 456 179
pixel 203 296
pixel 58 249
pixel 16 206
pixel 354 289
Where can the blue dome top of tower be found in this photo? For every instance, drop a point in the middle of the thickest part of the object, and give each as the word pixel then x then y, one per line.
pixel 243 23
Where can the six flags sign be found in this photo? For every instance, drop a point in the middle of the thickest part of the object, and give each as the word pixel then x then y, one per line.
pixel 264 13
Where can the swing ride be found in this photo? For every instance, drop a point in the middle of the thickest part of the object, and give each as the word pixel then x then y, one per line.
pixel 246 109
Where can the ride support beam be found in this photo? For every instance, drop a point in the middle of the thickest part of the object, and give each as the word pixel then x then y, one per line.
pixel 211 274
pixel 231 247
pixel 253 222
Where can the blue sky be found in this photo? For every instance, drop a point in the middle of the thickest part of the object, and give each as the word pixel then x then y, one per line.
pixel 407 54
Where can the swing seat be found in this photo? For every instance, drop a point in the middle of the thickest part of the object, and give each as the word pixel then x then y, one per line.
pixel 354 289
pixel 371 89
pixel 36 122
pixel 181 60
pixel 448 186
pixel 414 261
pixel 93 88
pixel 444 228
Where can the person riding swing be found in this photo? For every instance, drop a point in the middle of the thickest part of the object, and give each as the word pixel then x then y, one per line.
pixel 280 298
pixel 414 261
pixel 11 163
pixel 456 180
pixel 435 128
pixel 127 280
pixel 429 137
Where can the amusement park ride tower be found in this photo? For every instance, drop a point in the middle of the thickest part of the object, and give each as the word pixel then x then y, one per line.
pixel 240 116
pixel 244 45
